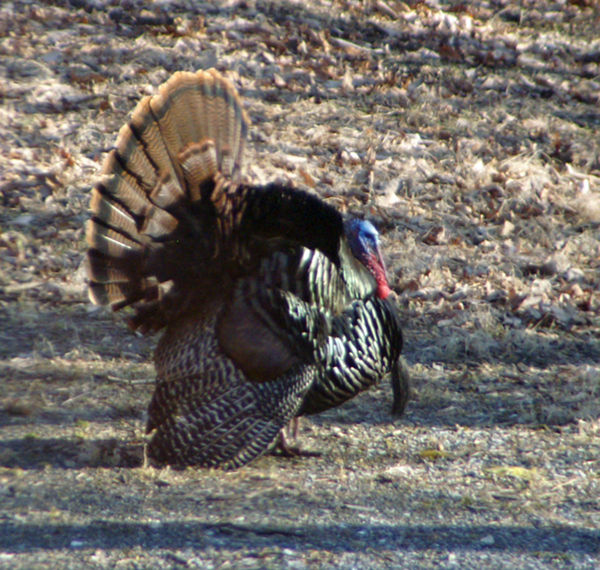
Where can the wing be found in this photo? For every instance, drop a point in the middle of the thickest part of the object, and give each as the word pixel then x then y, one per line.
pixel 364 346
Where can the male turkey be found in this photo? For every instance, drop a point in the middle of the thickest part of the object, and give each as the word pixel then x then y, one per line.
pixel 273 306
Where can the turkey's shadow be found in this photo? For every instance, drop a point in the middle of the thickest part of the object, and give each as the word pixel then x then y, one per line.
pixel 69 453
pixel 16 537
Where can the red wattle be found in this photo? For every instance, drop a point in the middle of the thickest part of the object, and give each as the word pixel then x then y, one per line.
pixel 383 290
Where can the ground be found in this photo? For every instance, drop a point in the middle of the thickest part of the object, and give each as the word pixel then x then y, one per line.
pixel 469 134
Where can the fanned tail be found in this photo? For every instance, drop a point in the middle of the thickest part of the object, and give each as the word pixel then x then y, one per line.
pixel 176 144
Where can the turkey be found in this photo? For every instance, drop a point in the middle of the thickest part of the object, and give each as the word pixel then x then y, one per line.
pixel 272 305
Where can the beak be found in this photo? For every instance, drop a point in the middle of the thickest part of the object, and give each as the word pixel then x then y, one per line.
pixel 380 260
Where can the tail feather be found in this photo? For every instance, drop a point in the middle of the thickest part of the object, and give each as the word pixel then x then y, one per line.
pixel 125 185
pixel 158 223
pixel 191 107
pixel 153 138
pixel 199 162
pixel 114 215
pixel 109 241
pixel 175 142
pixel 116 292
pixel 104 269
pixel 113 280
pixel 131 156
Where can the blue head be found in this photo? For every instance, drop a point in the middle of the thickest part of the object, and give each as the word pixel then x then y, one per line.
pixel 363 240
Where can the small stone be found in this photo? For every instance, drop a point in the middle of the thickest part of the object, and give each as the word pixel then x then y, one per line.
pixel 574 274
pixel 353 158
pixel 507 229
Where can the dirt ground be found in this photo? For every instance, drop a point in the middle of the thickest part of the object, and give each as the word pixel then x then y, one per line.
pixel 470 134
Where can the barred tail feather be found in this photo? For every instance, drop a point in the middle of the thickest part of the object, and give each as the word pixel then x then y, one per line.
pixel 175 142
